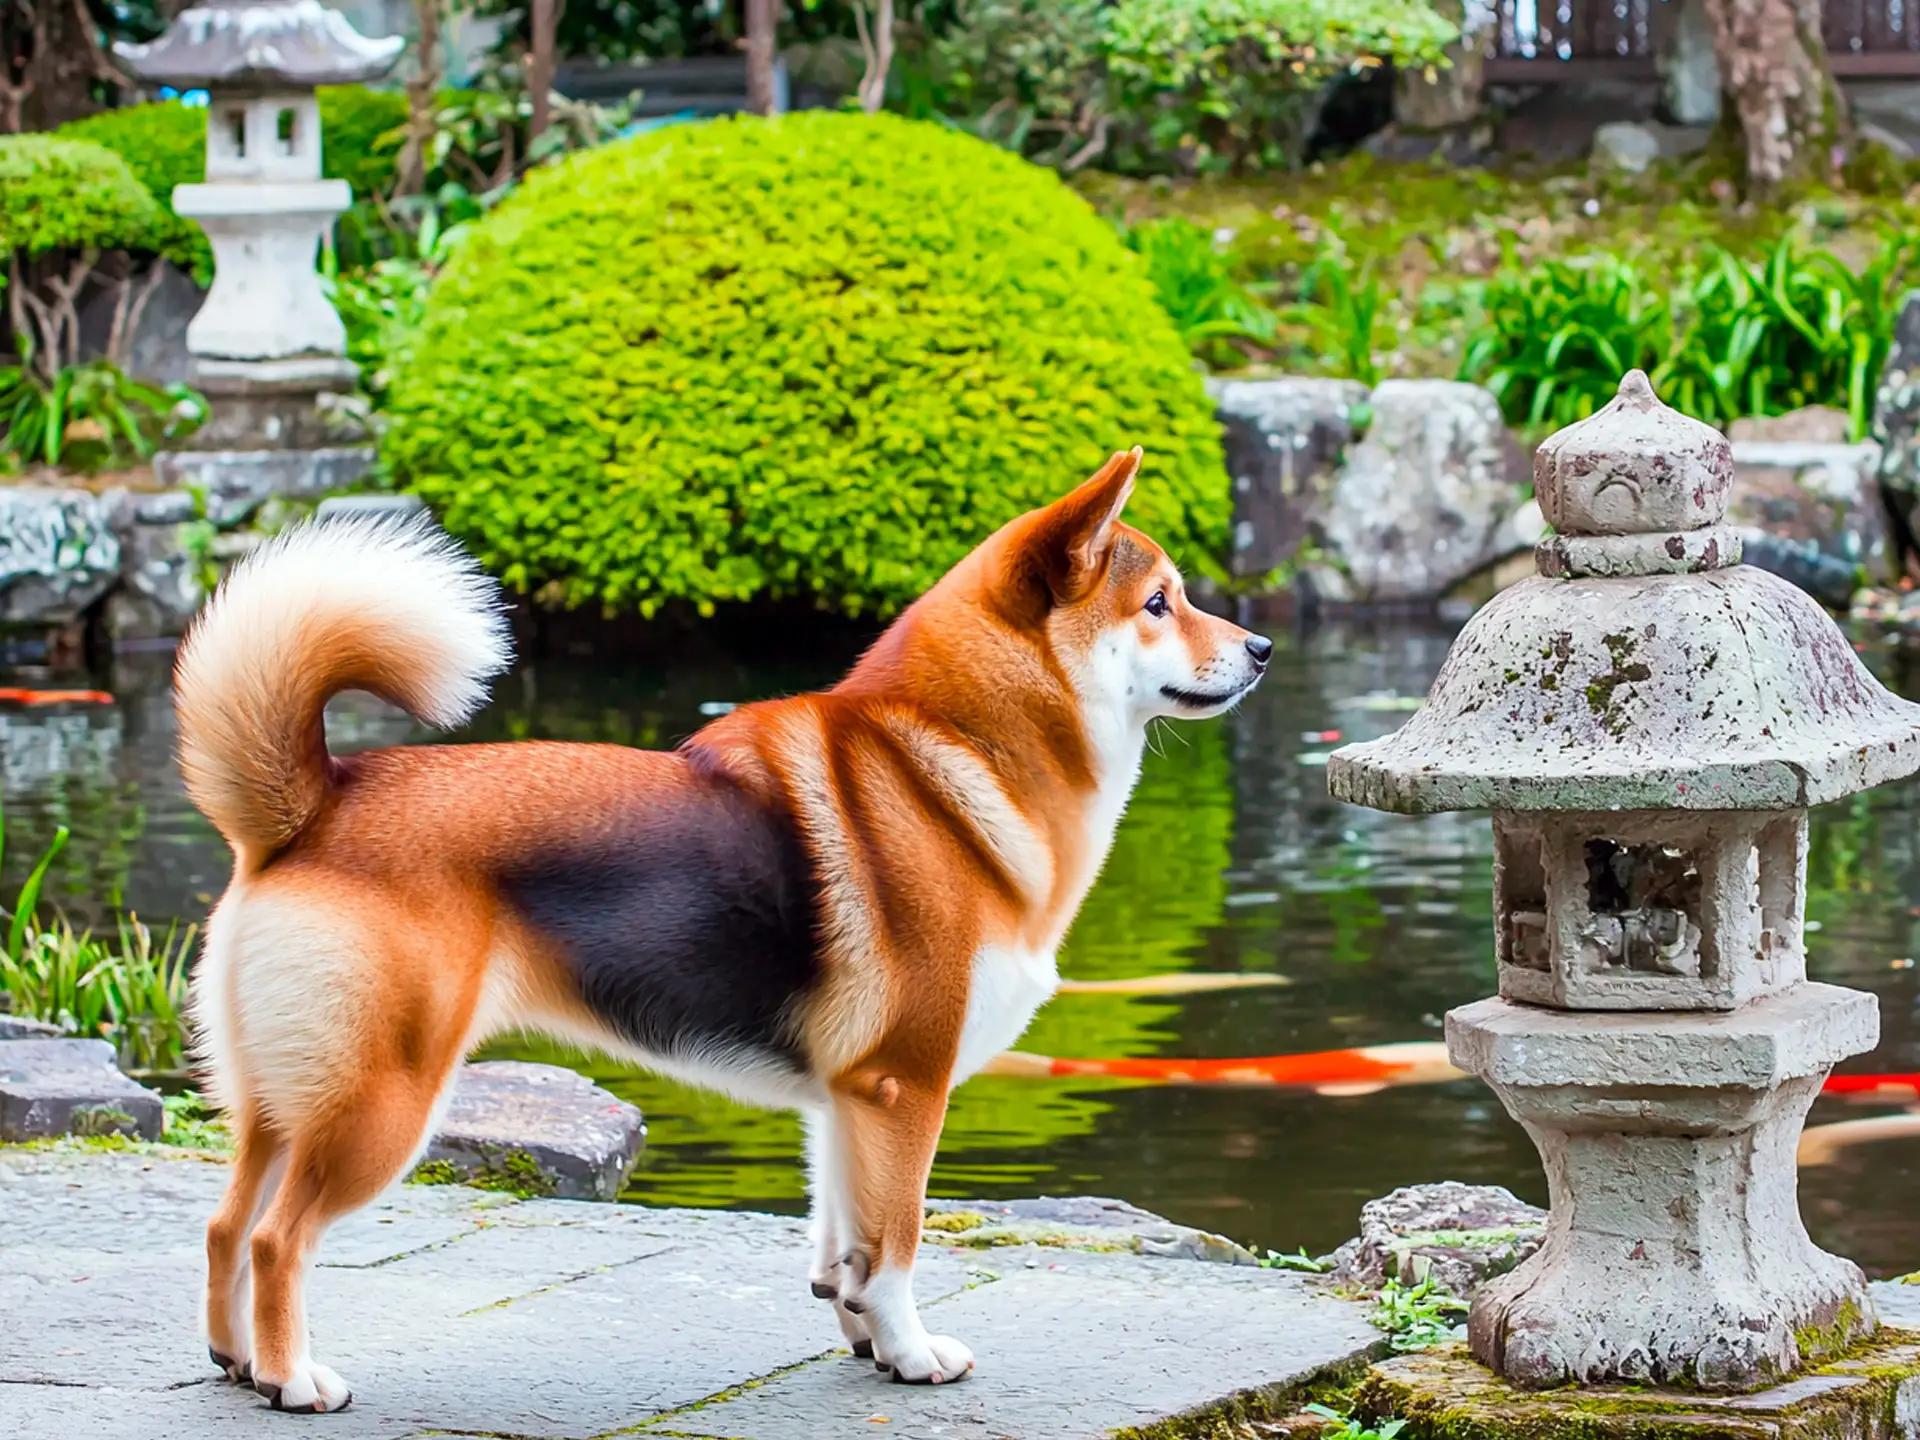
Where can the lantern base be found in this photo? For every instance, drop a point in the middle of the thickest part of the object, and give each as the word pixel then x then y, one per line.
pixel 1675 1252
pixel 1873 1393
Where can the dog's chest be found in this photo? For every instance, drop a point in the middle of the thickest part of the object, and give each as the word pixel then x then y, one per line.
pixel 1009 985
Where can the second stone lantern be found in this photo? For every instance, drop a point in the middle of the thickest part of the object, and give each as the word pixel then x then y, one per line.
pixel 1648 722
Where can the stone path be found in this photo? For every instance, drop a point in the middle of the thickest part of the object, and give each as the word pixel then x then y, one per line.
pixel 456 1312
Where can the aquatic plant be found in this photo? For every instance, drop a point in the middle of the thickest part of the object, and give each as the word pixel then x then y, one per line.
pixel 129 988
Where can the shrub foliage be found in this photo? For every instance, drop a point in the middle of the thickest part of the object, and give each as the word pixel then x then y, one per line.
pixel 819 356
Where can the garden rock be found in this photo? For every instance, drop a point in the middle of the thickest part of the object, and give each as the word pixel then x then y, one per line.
pixel 159 589
pixel 537 1130
pixel 19 1027
pixel 1896 425
pixel 156 352
pixel 1806 502
pixel 1284 441
pixel 1424 499
pixel 1625 145
pixel 1456 1235
pixel 1080 1222
pixel 58 554
pixel 71 1087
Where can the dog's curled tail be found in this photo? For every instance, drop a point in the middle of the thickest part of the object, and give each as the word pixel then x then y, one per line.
pixel 396 608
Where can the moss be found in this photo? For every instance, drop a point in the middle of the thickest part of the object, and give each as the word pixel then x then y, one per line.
pixel 953 1221
pixel 1626 670
pixel 1268 1411
pixel 502 1169
pixel 1443 1395
pixel 102 1121
pixel 1835 1337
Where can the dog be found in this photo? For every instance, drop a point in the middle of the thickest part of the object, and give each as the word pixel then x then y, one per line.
pixel 843 902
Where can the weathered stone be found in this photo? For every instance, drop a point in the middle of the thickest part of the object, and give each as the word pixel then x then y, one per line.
pixel 1448 1395
pixel 1424 498
pixel 1896 426
pixel 71 1087
pixel 20 1027
pixel 1808 501
pixel 161 583
pixel 538 1129
pixel 1458 1236
pixel 1447 96
pixel 236 481
pixel 1082 1222
pixel 1648 723
pixel 156 351
pixel 459 1313
pixel 296 404
pixel 1284 442
pixel 58 554
pixel 1625 145
pixel 1676 1253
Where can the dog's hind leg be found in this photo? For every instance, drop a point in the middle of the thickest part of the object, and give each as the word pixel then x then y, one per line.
pixel 890 1127
pixel 835 1233
pixel 259 1159
pixel 336 1163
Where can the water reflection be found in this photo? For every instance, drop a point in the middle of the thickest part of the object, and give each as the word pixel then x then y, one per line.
pixel 1231 859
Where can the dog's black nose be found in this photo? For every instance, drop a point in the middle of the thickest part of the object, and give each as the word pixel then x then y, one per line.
pixel 1260 648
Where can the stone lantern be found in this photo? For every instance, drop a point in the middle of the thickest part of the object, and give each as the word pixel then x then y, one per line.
pixel 1648 722
pixel 264 206
pixel 267 346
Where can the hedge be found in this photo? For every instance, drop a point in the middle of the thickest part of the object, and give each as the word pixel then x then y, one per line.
pixel 818 356
pixel 58 194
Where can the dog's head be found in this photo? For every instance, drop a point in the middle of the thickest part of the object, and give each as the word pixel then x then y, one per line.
pixel 1114 609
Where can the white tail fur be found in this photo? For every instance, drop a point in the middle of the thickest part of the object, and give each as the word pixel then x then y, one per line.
pixel 398 609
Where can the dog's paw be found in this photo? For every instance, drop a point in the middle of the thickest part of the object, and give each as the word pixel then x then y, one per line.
pixel 311 1390
pixel 236 1372
pixel 935 1360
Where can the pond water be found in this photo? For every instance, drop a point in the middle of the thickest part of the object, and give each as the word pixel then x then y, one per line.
pixel 1231 859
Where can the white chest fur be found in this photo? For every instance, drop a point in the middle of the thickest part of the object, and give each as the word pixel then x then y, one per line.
pixel 1008 987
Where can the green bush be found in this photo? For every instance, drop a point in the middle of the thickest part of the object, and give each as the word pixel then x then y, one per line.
pixel 819 356
pixel 60 194
pixel 1231 84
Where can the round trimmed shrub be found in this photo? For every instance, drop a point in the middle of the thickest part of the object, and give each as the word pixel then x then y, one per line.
pixel 817 356
pixel 58 194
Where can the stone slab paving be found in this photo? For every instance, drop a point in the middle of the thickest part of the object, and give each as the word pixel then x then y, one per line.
pixel 455 1312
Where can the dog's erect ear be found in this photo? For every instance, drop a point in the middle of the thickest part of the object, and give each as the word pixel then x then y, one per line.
pixel 1075 534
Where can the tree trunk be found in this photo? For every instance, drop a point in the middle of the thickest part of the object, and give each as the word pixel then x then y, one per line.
pixel 545 22
pixel 428 70
pixel 1445 97
pixel 763 21
pixel 876 43
pixel 1773 65
pixel 51 57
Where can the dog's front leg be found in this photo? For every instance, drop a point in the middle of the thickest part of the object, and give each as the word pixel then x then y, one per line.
pixel 885 1126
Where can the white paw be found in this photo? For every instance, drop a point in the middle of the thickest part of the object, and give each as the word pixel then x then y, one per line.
pixel 934 1360
pixel 313 1390
pixel 855 1328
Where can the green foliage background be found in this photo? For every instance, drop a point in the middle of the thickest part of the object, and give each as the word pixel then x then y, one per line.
pixel 58 193
pixel 820 357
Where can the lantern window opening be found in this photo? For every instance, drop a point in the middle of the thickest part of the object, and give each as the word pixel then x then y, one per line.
pixel 286 132
pixel 1778 882
pixel 1645 907
pixel 1526 940
pixel 237 132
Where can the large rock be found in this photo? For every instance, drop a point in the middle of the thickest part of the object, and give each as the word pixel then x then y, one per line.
pixel 58 554
pixel 1425 500
pixel 1896 426
pixel 536 1130
pixel 1077 1222
pixel 71 1087
pixel 1807 502
pixel 1457 1235
pixel 1626 145
pixel 1284 441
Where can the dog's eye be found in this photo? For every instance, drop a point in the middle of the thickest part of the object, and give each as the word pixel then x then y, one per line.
pixel 1157 604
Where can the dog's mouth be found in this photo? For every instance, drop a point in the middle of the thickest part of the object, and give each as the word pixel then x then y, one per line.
pixel 1200 699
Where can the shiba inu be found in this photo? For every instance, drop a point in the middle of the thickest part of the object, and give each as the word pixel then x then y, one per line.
pixel 844 902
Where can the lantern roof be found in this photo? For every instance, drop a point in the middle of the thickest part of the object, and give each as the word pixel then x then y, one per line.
pixel 260 45
pixel 1644 667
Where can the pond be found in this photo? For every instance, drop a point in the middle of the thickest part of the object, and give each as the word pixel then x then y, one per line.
pixel 1231 859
